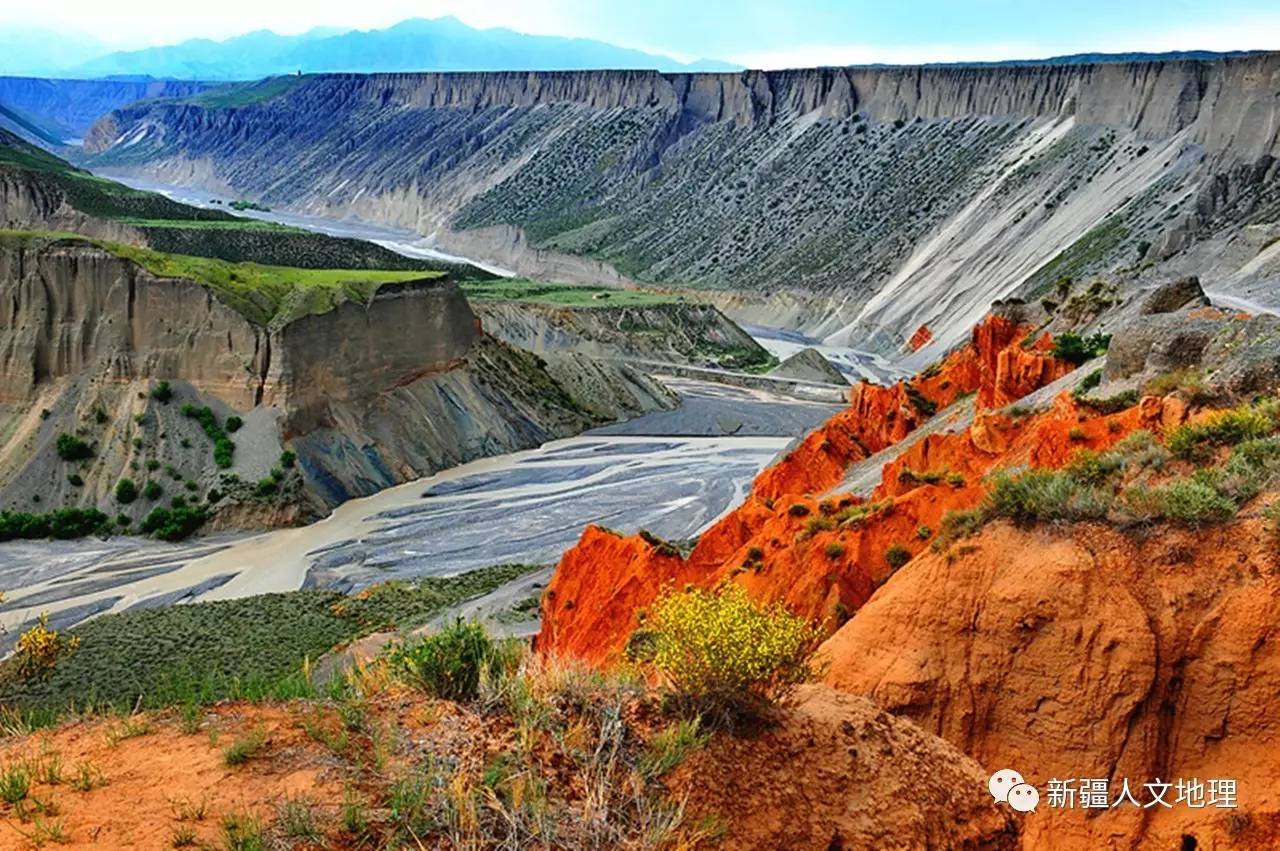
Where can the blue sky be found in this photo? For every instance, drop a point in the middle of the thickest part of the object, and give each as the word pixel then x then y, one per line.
pixel 751 32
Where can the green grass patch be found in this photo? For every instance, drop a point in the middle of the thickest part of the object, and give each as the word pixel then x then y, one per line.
pixel 252 648
pixel 263 294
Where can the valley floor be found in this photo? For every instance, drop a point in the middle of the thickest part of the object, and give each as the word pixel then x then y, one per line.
pixel 673 473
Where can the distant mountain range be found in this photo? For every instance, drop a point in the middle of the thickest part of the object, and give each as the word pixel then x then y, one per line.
pixel 442 44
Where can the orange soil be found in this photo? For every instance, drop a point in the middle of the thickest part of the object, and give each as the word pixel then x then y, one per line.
pixel 155 782
pixel 921 338
pixel 1084 652
pixel 151 777
pixel 603 582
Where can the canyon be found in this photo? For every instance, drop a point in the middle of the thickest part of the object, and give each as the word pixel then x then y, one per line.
pixel 856 205
pixel 1037 531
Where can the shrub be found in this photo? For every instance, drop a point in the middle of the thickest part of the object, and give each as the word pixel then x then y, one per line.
pixel 174 524
pixel 1193 503
pixel 63 524
pixel 152 491
pixel 75 480
pixel 897 555
pixel 834 550
pixel 38 650
pixel 287 459
pixel 162 393
pixel 72 448
pixel 1071 347
pixel 450 663
pixel 234 424
pixel 798 509
pixel 223 448
pixel 923 532
pixel 1076 434
pixel 1090 381
pixel 99 416
pixel 724 655
pixel 126 491
pixel 1225 428
pixel 1043 495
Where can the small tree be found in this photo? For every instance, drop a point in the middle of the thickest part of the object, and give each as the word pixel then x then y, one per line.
pixel 72 448
pixel 126 491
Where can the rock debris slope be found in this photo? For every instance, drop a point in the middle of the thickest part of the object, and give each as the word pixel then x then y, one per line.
pixel 861 203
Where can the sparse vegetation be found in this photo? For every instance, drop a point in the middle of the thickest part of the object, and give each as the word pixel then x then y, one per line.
pixel 450 663
pixel 725 656
pixel 897 555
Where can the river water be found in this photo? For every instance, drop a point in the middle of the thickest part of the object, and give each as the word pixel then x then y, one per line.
pixel 673 473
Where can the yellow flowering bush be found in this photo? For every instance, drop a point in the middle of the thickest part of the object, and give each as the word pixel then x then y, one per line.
pixel 723 654
pixel 39 649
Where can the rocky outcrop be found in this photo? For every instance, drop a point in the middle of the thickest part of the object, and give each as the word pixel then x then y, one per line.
pixel 874 201
pixel 677 332
pixel 367 394
pixel 836 773
pixel 796 538
pixel 808 364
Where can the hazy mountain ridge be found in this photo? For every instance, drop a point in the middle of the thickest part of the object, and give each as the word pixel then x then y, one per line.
pixel 417 44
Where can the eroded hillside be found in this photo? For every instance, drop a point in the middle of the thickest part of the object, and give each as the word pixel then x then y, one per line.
pixel 1071 572
pixel 859 204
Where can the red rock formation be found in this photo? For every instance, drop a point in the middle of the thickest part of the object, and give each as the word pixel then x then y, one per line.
pixel 921 338
pixel 784 542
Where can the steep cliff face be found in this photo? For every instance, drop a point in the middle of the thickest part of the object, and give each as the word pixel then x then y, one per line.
pixel 69 107
pixel 873 201
pixel 367 395
pixel 797 538
pixel 693 334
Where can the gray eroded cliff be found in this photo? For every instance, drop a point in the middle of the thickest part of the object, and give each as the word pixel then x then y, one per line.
pixel 366 395
pixel 861 203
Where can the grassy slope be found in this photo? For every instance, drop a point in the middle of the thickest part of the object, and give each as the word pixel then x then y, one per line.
pixel 262 294
pixel 174 228
pixel 252 647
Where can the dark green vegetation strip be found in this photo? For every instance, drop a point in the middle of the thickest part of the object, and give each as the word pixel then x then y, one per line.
pixel 175 228
pixel 249 648
pixel 539 292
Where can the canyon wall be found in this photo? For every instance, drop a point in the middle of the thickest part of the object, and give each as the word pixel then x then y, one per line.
pixel 367 395
pixel 871 200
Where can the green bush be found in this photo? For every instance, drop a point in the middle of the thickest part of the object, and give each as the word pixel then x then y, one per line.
pixel 798 509
pixel 450 663
pixel 64 524
pixel 223 448
pixel 72 448
pixel 126 491
pixel 1225 428
pixel 834 550
pixel 1090 381
pixel 1193 503
pixel 288 459
pixel 153 491
pixel 1071 347
pixel 724 655
pixel 175 523
pixel 162 393
pixel 234 424
pixel 897 555
pixel 1043 496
